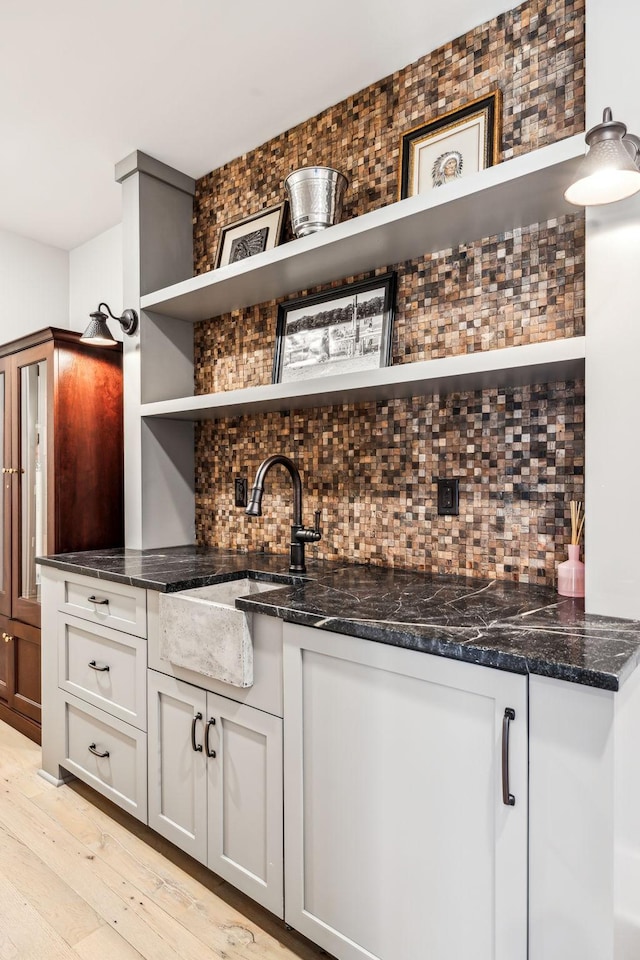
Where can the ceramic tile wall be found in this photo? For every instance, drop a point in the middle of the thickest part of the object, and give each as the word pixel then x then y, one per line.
pixel 519 453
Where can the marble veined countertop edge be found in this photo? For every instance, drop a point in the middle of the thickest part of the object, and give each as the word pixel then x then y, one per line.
pixel 520 628
pixel 496 647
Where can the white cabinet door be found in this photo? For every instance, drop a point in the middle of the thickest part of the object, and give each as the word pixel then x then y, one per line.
pixel 177 771
pixel 245 799
pixel 398 842
pixel 215 785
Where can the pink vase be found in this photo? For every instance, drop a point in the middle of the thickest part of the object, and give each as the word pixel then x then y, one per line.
pixel 571 574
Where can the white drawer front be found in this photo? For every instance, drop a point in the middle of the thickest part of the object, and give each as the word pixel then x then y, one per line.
pixel 115 605
pixel 104 667
pixel 121 772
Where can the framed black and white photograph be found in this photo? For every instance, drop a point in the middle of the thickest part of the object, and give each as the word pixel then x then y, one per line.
pixel 340 331
pixel 453 145
pixel 255 234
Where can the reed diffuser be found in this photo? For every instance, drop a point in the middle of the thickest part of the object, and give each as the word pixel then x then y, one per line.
pixel 577 521
pixel 571 572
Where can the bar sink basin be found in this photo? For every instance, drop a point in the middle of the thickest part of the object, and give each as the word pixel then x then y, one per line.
pixel 201 630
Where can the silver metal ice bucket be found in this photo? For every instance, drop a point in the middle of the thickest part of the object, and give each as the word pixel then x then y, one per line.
pixel 315 198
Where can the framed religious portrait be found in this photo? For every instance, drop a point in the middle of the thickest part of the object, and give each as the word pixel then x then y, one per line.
pixel 255 234
pixel 343 330
pixel 451 146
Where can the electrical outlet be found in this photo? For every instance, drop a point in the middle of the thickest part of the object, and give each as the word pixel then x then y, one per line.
pixel 449 497
pixel 240 489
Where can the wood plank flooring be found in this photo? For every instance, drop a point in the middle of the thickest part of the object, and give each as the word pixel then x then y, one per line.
pixel 81 879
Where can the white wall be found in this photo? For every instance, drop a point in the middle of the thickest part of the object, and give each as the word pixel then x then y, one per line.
pixel 95 276
pixel 34 286
pixel 43 286
pixel 612 421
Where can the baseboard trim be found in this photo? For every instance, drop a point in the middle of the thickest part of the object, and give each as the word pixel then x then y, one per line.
pixel 56 781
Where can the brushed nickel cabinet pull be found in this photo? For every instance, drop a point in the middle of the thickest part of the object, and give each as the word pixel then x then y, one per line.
pixel 94 666
pixel 96 753
pixel 196 746
pixel 507 798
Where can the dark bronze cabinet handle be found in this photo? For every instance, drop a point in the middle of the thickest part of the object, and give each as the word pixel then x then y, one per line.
pixel 100 602
pixel 210 723
pixel 96 753
pixel 94 666
pixel 507 798
pixel 196 746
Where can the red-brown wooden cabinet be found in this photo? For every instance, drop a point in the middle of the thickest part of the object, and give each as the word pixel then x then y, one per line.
pixel 61 437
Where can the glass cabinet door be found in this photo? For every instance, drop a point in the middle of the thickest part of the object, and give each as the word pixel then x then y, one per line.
pixel 33 469
pixel 30 513
pixel 5 499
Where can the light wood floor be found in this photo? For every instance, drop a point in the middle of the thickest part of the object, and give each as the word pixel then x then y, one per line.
pixel 79 878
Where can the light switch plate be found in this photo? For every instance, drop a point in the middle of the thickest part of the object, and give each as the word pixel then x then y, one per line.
pixel 240 491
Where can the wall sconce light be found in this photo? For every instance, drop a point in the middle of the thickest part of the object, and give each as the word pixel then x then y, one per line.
pixel 98 331
pixel 610 170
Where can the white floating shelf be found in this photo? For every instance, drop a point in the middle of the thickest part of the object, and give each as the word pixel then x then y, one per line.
pixel 511 366
pixel 528 189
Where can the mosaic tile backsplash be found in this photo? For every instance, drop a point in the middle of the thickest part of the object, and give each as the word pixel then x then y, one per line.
pixel 522 287
pixel 533 54
pixel 371 467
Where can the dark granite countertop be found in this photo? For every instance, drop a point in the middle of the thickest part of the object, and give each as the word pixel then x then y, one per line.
pixel 175 568
pixel 510 626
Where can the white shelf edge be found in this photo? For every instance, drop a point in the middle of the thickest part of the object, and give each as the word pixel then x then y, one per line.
pixel 514 193
pixel 548 361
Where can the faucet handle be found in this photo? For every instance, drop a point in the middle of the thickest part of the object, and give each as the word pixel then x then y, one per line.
pixel 309 534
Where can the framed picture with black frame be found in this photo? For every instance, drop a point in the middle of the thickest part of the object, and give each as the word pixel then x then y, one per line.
pixel 341 331
pixel 255 234
pixel 451 146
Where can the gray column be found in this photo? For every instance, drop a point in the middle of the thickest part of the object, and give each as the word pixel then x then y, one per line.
pixel 157 216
